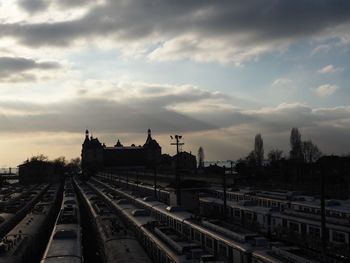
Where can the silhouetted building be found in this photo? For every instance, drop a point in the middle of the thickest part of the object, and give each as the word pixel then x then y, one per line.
pixel 189 194
pixel 33 172
pixel 187 162
pixel 96 156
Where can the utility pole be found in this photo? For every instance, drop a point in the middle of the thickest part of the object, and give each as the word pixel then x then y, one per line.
pixel 137 181
pixel 323 213
pixel 224 188
pixel 231 163
pixel 155 180
pixel 177 174
pixel 127 180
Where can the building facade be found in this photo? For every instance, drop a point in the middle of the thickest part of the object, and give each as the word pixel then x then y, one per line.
pixel 35 172
pixel 96 156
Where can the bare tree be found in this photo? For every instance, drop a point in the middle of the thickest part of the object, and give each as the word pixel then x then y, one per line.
pixel 201 157
pixel 259 149
pixel 251 159
pixel 311 152
pixel 275 155
pixel 61 161
pixel 296 152
pixel 39 157
pixel 74 165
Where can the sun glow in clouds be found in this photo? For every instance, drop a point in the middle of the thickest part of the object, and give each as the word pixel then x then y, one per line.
pixel 207 69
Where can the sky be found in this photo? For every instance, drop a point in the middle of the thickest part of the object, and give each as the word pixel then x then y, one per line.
pixel 216 72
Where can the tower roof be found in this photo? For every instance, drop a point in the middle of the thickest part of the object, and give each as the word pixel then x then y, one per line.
pixel 118 144
pixel 91 142
pixel 150 142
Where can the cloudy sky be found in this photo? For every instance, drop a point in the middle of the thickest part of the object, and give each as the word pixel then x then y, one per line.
pixel 217 72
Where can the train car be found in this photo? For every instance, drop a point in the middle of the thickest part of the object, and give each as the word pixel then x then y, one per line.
pixel 212 240
pixel 281 254
pixel 65 241
pixel 26 241
pixel 116 242
pixel 12 193
pixel 300 224
pixel 14 212
pixel 176 248
pixel 143 189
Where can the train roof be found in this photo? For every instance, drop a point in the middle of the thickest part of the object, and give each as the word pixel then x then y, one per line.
pixel 245 247
pixel 28 226
pixel 65 241
pixel 151 203
pixel 140 220
pixel 66 259
pixel 340 225
pixel 126 250
pixel 283 254
pixel 178 215
pixel 342 206
pixel 5 216
pixel 240 205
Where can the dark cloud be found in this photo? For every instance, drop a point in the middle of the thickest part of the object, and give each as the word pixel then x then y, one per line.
pixel 33 6
pixel 75 3
pixel 36 6
pixel 234 126
pixel 14 69
pixel 245 23
pixel 101 115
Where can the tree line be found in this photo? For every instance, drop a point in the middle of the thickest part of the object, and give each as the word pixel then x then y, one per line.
pixel 301 151
pixel 71 166
pixel 300 170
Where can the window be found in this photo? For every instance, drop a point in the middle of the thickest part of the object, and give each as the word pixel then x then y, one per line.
pixel 209 242
pixel 314 231
pixel 338 237
pixel 222 249
pixel 335 214
pixel 237 213
pixel 294 227
pixel 248 216
pixel 178 226
pixel 197 236
pixel 186 230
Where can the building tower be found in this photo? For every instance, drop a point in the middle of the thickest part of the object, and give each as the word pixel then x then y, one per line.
pixel 91 155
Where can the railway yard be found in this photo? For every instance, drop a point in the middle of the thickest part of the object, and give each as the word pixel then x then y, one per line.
pixel 110 219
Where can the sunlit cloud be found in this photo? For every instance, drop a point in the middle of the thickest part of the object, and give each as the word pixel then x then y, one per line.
pixel 202 31
pixel 326 90
pixel 282 82
pixel 217 72
pixel 329 69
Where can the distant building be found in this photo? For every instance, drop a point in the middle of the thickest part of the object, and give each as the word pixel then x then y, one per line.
pixel 96 156
pixel 187 162
pixel 189 194
pixel 33 172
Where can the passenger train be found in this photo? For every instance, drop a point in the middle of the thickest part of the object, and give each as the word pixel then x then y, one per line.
pixel 27 240
pixel 279 214
pixel 209 239
pixel 14 211
pixel 115 241
pixel 65 241
pixel 171 246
